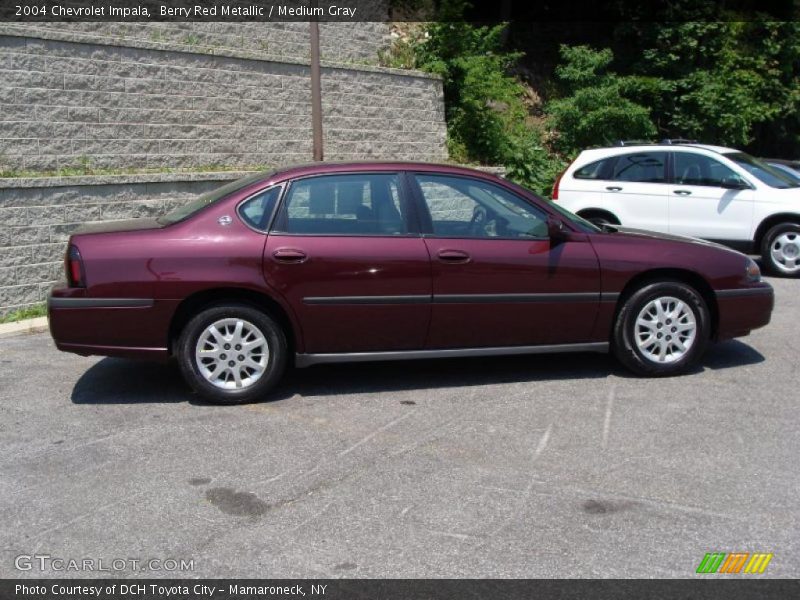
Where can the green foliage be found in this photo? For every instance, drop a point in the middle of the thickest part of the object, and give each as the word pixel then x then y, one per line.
pixel 487 119
pixel 596 109
pixel 724 82
pixel 29 312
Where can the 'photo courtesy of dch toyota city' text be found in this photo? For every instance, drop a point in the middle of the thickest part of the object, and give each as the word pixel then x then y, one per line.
pixel 399 300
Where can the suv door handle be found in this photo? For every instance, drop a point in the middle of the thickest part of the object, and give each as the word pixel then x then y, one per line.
pixel 682 192
pixel 289 255
pixel 453 256
pixel 614 188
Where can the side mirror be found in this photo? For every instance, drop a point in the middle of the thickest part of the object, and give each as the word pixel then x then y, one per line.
pixel 556 229
pixel 734 183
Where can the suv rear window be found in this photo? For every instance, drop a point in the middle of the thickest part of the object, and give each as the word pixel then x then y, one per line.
pixel 594 170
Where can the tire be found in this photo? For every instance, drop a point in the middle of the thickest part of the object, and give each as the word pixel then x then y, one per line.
pixel 600 219
pixel 638 346
pixel 780 250
pixel 259 367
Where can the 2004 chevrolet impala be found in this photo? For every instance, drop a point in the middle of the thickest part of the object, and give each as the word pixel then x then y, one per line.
pixel 373 261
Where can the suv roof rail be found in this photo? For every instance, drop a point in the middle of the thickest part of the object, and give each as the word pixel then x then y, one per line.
pixel 670 141
pixel 633 143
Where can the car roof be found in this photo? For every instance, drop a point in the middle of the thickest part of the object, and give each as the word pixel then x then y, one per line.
pixel 660 147
pixel 323 168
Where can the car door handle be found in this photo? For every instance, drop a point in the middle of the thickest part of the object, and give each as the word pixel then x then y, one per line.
pixel 453 256
pixel 682 192
pixel 614 188
pixel 289 255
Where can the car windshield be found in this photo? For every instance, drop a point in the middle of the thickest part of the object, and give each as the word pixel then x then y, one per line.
pixel 793 174
pixel 767 173
pixel 199 203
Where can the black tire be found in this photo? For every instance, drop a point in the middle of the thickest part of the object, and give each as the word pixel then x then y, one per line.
pixel 600 219
pixel 276 358
pixel 770 239
pixel 639 360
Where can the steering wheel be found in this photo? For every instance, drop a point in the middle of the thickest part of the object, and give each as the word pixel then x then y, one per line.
pixel 479 216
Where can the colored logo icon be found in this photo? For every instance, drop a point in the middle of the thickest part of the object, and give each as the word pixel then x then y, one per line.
pixel 734 562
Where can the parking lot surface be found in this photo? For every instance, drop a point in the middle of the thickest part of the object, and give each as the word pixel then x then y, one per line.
pixel 539 466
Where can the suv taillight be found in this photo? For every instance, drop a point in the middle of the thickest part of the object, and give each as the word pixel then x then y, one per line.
pixel 558 181
pixel 74 264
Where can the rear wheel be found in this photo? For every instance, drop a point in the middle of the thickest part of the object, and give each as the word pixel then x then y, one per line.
pixel 662 329
pixel 232 354
pixel 780 249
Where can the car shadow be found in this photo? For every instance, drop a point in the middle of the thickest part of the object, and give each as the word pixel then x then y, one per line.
pixel 120 381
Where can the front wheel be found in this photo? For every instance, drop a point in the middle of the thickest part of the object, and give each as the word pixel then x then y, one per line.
pixel 232 354
pixel 780 250
pixel 662 329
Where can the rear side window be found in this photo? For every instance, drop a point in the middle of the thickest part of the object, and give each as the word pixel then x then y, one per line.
pixel 363 204
pixel 594 170
pixel 642 167
pixel 257 210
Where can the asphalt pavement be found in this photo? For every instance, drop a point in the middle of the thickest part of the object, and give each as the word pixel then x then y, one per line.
pixel 538 466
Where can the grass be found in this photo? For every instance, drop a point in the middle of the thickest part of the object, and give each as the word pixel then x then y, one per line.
pixel 29 312
pixel 87 169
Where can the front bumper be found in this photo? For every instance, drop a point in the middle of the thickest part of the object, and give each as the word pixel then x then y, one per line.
pixel 744 309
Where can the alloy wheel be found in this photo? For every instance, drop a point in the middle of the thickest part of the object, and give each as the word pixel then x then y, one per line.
pixel 232 354
pixel 665 329
pixel 785 252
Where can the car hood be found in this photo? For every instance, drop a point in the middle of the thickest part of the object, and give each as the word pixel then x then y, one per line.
pixel 629 232
pixel 117 226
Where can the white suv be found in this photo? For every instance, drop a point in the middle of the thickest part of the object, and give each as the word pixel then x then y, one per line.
pixel 689 189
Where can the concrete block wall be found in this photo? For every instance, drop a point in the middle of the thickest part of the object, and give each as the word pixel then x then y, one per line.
pixel 68 104
pixel 339 42
pixel 38 215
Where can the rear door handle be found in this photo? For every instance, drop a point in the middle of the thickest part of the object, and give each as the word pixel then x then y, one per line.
pixel 289 255
pixel 614 188
pixel 682 192
pixel 453 256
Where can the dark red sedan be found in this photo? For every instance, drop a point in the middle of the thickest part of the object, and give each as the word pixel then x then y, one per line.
pixel 363 262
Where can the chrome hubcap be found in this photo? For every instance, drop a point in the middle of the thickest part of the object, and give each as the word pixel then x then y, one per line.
pixel 785 252
pixel 232 354
pixel 665 329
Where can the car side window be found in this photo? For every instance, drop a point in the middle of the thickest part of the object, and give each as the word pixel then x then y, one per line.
pixel 469 208
pixel 257 210
pixel 697 169
pixel 363 204
pixel 641 167
pixel 596 170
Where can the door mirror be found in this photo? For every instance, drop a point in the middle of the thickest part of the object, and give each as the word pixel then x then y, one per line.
pixel 734 183
pixel 556 229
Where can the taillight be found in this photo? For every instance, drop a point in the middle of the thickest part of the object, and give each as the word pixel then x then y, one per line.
pixel 74 265
pixel 558 181
pixel 556 184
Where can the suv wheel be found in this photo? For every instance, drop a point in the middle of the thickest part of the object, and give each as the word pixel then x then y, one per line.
pixel 662 329
pixel 780 249
pixel 232 354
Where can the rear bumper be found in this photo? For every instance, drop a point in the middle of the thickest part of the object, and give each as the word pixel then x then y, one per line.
pixel 744 309
pixel 129 327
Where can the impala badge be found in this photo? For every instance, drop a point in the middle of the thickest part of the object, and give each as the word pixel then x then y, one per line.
pixel 225 220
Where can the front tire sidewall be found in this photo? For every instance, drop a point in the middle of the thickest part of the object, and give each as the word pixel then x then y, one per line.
pixel 624 343
pixel 276 341
pixel 766 248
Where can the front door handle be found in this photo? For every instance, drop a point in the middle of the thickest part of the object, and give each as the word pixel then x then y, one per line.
pixel 289 255
pixel 453 256
pixel 614 188
pixel 682 192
